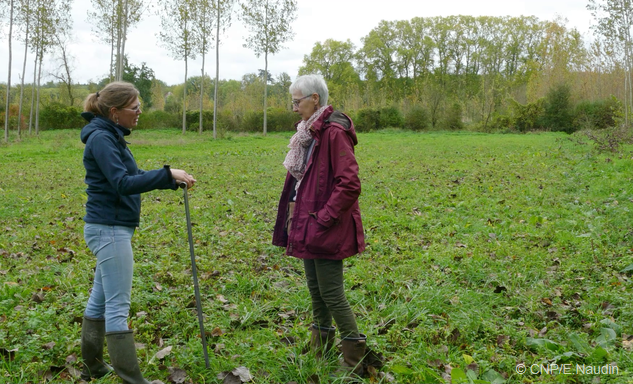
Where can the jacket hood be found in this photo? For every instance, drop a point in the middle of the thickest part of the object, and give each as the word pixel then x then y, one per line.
pixel 335 119
pixel 96 123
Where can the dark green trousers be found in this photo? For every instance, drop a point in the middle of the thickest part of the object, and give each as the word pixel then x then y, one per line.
pixel 325 283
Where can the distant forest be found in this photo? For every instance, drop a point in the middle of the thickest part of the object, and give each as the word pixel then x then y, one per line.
pixel 480 73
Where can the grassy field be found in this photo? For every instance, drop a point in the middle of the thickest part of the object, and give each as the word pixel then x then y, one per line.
pixel 485 252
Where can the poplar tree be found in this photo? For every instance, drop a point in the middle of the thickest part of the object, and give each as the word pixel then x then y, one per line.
pixel 269 25
pixel 112 19
pixel 24 18
pixel 615 20
pixel 177 35
pixel 223 13
pixel 6 111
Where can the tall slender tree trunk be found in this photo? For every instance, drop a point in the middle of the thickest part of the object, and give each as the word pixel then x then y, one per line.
pixel 626 98
pixel 26 52
pixel 217 73
pixel 6 111
pixel 112 55
pixel 201 93
pixel 117 71
pixel 628 59
pixel 265 89
pixel 630 89
pixel 184 101
pixel 123 40
pixel 204 54
pixel 37 53
pixel 69 83
pixel 37 102
pixel 266 72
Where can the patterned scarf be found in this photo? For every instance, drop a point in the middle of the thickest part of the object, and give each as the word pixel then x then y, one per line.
pixel 299 143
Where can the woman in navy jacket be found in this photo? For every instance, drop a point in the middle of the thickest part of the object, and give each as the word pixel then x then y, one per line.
pixel 112 214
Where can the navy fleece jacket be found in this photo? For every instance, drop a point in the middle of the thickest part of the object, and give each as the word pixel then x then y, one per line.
pixel 113 178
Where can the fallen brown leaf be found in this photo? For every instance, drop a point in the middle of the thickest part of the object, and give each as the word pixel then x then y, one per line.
pixel 38 297
pixel 163 353
pixel 243 373
pixel 71 359
pixel 49 346
pixel 177 376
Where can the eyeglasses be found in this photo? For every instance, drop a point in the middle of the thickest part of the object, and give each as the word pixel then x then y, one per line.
pixel 135 109
pixel 296 102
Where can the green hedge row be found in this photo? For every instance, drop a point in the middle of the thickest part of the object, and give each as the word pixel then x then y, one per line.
pixel 58 116
pixel 554 112
pixel 253 121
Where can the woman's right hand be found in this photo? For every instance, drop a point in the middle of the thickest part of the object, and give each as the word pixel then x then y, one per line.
pixel 181 176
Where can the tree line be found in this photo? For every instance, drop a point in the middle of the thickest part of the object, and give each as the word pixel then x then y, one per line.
pixel 476 67
pixel 444 72
pixel 189 28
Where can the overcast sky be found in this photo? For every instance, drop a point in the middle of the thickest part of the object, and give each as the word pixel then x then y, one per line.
pixel 316 22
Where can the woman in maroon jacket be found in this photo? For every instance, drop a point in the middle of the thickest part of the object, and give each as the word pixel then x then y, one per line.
pixel 318 219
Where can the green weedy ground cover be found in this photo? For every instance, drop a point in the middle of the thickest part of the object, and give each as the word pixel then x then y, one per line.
pixel 484 252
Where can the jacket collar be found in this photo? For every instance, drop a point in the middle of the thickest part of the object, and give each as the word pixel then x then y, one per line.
pixel 119 131
pixel 317 126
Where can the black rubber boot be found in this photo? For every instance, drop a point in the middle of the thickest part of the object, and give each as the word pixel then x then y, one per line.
pixel 92 338
pixel 123 356
pixel 322 340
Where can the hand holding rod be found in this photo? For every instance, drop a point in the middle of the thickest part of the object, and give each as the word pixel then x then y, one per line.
pixel 194 272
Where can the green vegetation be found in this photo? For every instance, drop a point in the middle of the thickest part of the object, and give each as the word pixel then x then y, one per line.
pixel 483 73
pixel 484 251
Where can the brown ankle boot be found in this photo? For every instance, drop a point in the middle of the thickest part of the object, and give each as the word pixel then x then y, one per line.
pixel 354 350
pixel 322 340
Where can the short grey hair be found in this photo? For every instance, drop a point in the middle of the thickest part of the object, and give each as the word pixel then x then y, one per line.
pixel 309 84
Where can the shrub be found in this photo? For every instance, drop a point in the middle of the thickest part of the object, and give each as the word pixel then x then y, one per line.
pixel 367 119
pixel 557 112
pixel 390 117
pixel 417 119
pixel 59 116
pixel 172 105
pixel 159 119
pixel 598 114
pixel 253 121
pixel 193 120
pixel 13 116
pixel 498 122
pixel 279 120
pixel 453 117
pixel 527 117
pixel 228 121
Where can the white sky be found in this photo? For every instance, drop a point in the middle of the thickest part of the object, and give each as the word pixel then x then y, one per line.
pixel 317 21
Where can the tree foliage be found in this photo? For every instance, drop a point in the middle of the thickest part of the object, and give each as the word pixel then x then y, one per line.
pixel 614 22
pixel 178 18
pixel 269 24
pixel 143 79
pixel 112 20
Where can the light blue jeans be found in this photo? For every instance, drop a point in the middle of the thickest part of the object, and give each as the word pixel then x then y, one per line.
pixel 112 287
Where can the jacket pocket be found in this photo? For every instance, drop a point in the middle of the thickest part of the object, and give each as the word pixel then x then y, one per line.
pixel 320 239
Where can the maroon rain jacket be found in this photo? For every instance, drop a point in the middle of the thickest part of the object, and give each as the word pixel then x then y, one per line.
pixel 326 223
